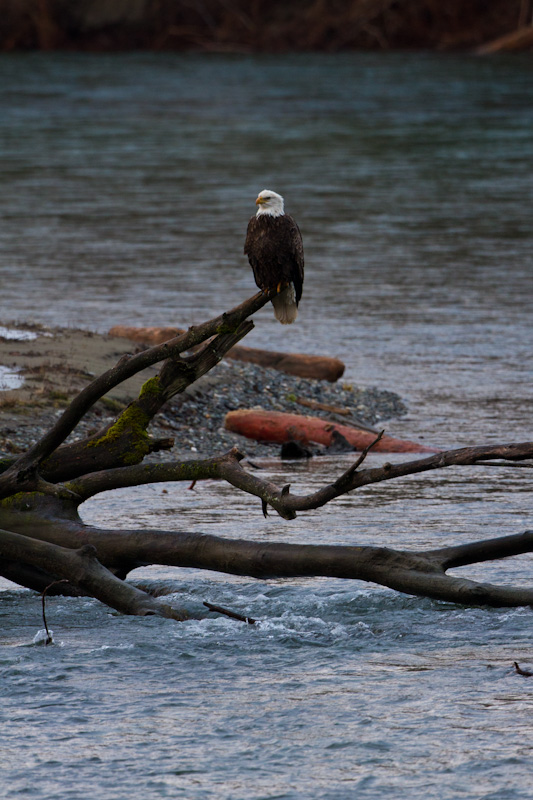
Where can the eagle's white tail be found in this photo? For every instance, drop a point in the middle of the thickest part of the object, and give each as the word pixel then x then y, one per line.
pixel 285 308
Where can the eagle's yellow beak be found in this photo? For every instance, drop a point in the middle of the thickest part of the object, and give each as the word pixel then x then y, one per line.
pixel 260 200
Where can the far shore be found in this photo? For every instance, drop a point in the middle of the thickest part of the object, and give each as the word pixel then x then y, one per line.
pixel 238 27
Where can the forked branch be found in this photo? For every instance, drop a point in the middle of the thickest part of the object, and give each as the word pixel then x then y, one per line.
pixel 227 328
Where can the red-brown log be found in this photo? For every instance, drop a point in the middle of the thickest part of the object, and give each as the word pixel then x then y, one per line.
pixel 152 335
pixel 276 426
pixel 320 368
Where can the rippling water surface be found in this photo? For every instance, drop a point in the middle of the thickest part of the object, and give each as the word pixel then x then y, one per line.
pixel 127 183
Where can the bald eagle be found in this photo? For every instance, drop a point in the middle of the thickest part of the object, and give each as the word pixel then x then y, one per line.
pixel 276 254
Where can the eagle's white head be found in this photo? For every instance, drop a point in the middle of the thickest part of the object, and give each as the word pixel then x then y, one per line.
pixel 269 202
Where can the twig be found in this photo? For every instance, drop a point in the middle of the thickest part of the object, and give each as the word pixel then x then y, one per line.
pixel 303 401
pixel 229 613
pixel 365 452
pixel 353 469
pixel 43 595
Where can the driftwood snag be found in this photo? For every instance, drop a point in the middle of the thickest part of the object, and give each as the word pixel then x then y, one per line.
pixel 43 540
pixel 526 673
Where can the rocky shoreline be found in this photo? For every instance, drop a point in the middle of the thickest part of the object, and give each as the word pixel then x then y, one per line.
pixel 196 418
pixel 57 363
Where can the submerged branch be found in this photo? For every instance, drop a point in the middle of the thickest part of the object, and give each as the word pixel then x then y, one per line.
pixel 228 613
pixel 49 639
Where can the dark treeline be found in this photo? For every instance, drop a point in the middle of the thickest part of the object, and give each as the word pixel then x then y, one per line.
pixel 256 25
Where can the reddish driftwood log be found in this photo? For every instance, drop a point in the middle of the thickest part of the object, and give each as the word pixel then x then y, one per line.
pixel 320 368
pixel 276 426
pixel 151 335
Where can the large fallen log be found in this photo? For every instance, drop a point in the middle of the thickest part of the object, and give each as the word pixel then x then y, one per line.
pixel 43 540
pixel 279 427
pixel 320 368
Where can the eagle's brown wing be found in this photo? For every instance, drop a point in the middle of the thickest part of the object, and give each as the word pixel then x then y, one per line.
pixel 275 251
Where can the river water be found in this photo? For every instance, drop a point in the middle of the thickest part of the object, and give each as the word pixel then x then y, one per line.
pixel 127 182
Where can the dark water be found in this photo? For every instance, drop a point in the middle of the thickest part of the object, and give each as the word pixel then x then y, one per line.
pixel 127 183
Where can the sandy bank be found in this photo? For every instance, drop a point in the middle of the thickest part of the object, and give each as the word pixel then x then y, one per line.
pixel 54 365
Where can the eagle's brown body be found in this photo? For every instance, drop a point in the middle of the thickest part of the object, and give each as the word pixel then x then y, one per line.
pixel 275 251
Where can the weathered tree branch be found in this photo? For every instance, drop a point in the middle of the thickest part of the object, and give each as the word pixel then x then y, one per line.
pixel 143 474
pixel 350 480
pixel 21 475
pixel 228 467
pixel 126 441
pixel 417 573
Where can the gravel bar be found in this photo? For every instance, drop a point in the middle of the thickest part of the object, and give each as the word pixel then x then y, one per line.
pixel 195 419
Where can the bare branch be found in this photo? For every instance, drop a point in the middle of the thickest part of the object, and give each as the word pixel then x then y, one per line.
pixel 142 474
pixel 228 613
pixel 49 639
pixel 177 374
pixel 417 573
pixel 466 456
pixel 227 467
pixel 486 550
pixel 525 672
